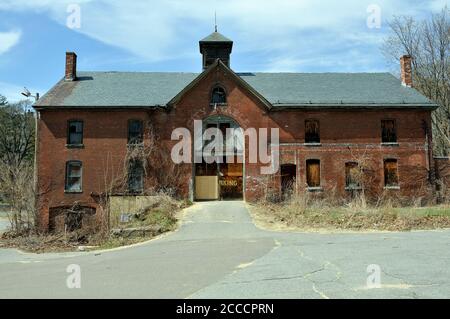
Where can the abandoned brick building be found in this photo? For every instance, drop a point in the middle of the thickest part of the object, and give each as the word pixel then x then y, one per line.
pixel 330 125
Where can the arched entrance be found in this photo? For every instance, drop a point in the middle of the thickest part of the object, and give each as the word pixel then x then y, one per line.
pixel 220 174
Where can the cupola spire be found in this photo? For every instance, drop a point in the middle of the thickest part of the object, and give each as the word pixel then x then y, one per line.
pixel 215 21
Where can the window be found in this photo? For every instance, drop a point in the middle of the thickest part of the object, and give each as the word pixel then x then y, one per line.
pixel 312 133
pixel 288 175
pixel 388 131
pixel 352 175
pixel 390 173
pixel 73 176
pixel 75 133
pixel 70 218
pixel 135 176
pixel 135 132
pixel 218 96
pixel 313 173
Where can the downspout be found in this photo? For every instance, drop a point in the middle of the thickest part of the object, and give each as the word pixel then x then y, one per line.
pixel 35 182
pixel 429 151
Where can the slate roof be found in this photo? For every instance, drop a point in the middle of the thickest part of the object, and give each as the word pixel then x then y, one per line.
pixel 215 37
pixel 358 89
pixel 282 90
pixel 117 89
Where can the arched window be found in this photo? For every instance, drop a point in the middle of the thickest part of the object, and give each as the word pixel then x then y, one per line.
pixel 218 96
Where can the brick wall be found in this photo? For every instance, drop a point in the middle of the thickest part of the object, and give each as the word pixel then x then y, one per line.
pixel 345 136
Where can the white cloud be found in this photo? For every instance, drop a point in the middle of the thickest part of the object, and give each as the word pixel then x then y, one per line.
pixel 438 5
pixel 37 5
pixel 285 29
pixel 9 39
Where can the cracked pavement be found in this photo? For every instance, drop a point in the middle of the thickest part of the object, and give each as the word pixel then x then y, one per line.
pixel 219 253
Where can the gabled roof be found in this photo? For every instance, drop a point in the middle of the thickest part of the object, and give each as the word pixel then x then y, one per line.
pixel 239 80
pixel 215 37
pixel 276 90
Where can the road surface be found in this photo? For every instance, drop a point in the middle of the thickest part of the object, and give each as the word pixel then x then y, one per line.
pixel 219 253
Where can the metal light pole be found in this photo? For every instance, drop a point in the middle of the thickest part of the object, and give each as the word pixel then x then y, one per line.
pixel 27 93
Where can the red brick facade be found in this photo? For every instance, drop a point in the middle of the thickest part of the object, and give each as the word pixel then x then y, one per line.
pixel 346 135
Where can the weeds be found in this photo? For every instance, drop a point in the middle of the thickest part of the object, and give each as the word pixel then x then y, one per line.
pixel 309 211
pixel 151 221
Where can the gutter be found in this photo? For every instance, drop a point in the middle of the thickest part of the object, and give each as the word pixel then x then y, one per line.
pixel 275 107
pixel 282 107
pixel 100 108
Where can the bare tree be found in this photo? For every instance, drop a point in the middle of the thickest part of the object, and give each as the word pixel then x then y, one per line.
pixel 16 163
pixel 428 43
pixel 17 187
pixel 160 174
pixel 17 126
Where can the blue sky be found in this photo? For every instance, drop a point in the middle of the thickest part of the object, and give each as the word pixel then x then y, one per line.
pixel 271 36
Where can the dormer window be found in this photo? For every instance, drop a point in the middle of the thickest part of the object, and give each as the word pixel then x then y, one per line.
pixel 218 96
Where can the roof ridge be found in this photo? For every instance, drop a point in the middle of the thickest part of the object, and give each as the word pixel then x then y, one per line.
pixel 288 72
pixel 139 72
pixel 237 72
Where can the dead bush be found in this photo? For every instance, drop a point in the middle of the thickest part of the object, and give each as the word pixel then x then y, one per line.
pixel 307 211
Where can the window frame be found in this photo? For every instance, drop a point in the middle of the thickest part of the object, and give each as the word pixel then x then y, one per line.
pixel 353 186
pixel 315 187
pixel 68 141
pixel 385 176
pixel 315 142
pixel 211 95
pixel 67 177
pixel 141 138
pixel 129 176
pixel 293 167
pixel 385 142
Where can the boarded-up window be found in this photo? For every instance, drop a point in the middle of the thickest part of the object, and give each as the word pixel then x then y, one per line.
pixel 390 172
pixel 135 132
pixel 312 131
pixel 313 173
pixel 75 133
pixel 388 131
pixel 73 176
pixel 352 175
pixel 218 96
pixel 135 176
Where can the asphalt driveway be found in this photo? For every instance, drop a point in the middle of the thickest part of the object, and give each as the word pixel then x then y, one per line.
pixel 219 253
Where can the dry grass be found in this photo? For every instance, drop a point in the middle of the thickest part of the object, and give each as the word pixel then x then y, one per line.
pixel 157 219
pixel 307 213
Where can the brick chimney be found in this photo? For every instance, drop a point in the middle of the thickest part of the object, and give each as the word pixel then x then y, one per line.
pixel 71 66
pixel 406 70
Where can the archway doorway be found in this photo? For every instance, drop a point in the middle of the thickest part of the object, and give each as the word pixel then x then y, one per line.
pixel 220 175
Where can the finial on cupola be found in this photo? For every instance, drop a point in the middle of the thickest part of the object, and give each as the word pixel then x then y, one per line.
pixel 215 21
